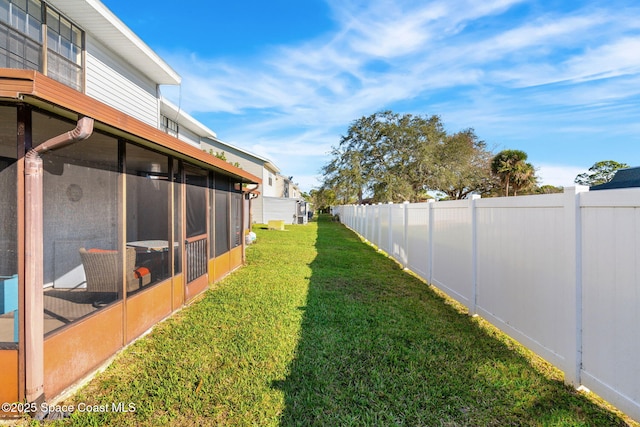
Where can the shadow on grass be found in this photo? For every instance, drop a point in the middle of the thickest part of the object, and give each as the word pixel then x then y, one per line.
pixel 378 347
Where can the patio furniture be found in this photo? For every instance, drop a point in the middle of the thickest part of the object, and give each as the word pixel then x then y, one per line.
pixel 155 253
pixel 102 273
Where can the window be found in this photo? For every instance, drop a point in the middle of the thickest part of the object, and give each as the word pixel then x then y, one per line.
pixel 170 126
pixel 21 34
pixel 64 50
pixel 22 41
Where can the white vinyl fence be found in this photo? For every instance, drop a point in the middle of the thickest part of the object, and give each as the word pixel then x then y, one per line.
pixel 560 273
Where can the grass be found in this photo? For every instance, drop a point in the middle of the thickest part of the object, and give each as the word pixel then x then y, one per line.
pixel 320 329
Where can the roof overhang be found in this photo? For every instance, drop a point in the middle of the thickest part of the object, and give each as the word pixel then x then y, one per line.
pixel 99 22
pixel 268 164
pixel 36 89
pixel 178 115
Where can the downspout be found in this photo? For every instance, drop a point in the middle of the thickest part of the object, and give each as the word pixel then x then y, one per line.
pixel 33 275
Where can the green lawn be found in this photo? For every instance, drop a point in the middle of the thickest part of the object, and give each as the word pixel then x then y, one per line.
pixel 320 329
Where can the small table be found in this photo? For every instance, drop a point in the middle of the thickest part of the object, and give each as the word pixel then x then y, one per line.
pixel 151 245
pixel 154 246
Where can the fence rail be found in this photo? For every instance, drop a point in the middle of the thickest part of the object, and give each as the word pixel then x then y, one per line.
pixel 560 273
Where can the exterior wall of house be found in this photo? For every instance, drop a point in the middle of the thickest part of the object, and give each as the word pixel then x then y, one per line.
pixel 188 136
pixel 269 184
pixel 112 81
pixel 280 209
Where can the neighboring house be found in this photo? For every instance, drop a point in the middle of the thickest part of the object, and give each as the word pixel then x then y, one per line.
pixel 112 216
pixel 623 178
pixel 278 198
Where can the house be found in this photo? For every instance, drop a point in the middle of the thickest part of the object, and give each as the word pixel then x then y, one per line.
pixel 112 218
pixel 623 178
pixel 278 198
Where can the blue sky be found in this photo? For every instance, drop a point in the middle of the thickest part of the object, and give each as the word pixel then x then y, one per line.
pixel 285 78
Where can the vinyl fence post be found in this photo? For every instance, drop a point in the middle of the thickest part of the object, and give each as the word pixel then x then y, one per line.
pixel 379 226
pixel 390 234
pixel 573 221
pixel 473 301
pixel 406 235
pixel 430 239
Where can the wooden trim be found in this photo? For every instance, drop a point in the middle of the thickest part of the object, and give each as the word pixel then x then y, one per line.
pixel 32 87
pixel 197 238
pixel 177 298
pixel 235 257
pixel 9 378
pixel 196 287
pixel 222 266
pixel 78 349
pixel 147 308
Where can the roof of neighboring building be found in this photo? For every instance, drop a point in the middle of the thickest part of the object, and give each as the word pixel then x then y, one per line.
pixel 178 115
pixel 95 18
pixel 266 162
pixel 623 178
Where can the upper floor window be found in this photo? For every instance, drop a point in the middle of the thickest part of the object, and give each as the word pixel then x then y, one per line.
pixel 21 34
pixel 64 50
pixel 170 126
pixel 22 41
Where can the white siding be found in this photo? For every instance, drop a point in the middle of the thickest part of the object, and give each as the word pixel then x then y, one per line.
pixel 188 136
pixel 269 190
pixel 113 82
pixel 277 208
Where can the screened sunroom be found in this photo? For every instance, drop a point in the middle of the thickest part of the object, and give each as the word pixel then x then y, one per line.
pixel 108 225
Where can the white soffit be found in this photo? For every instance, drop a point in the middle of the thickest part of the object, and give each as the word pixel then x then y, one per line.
pixel 97 20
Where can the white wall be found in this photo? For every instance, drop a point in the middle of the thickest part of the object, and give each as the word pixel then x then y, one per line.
pixel 278 208
pixel 560 273
pixel 113 82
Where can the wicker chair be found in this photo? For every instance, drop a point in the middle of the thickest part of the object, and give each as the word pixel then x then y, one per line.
pixel 101 270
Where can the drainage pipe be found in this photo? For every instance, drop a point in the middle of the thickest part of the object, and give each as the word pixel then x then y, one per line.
pixel 33 275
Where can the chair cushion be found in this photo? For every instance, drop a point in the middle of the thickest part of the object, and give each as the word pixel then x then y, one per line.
pixel 101 251
pixel 140 272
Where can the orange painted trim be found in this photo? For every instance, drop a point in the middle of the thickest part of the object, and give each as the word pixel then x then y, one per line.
pixel 22 84
pixel 222 266
pixel 211 269
pixel 196 287
pixel 235 258
pixel 178 291
pixel 80 348
pixel 8 378
pixel 147 308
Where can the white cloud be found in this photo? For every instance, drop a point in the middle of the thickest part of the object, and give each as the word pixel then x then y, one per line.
pixel 558 175
pixel 543 70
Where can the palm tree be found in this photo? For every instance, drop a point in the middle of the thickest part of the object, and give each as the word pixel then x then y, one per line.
pixel 524 177
pixel 510 167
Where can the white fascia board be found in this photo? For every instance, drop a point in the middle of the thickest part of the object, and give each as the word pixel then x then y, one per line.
pixel 99 22
pixel 181 117
pixel 268 164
